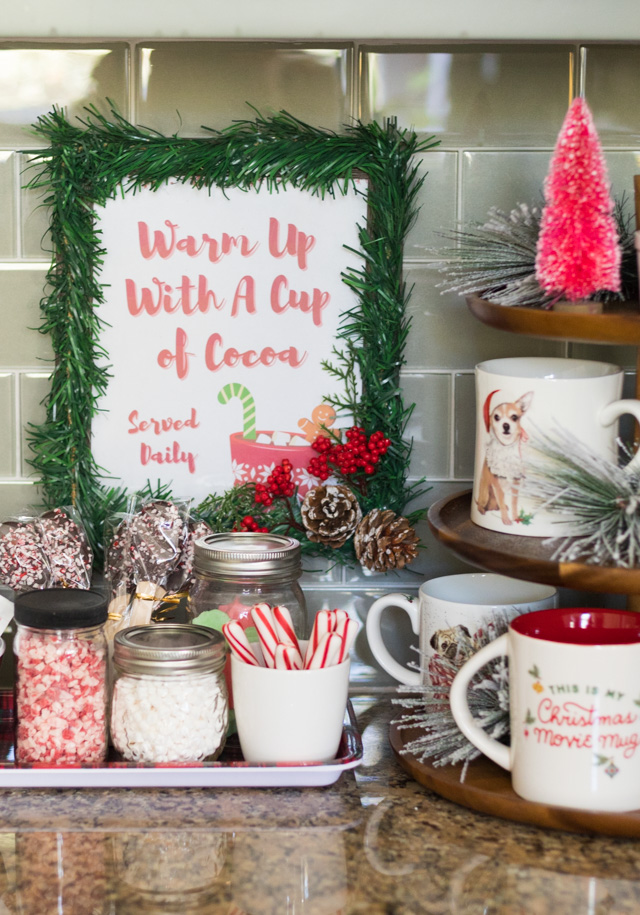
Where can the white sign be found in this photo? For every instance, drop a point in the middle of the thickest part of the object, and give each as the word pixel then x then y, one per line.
pixel 219 308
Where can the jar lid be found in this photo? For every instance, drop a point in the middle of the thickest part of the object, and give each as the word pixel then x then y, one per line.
pixel 247 554
pixel 166 648
pixel 61 608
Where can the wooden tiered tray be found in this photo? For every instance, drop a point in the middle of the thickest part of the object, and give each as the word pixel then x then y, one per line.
pixel 529 558
pixel 617 324
pixel 487 789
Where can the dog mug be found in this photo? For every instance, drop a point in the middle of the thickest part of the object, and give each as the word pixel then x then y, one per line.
pixel 521 397
pixel 574 705
pixel 450 616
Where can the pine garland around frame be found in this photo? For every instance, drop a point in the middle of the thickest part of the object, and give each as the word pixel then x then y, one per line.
pixel 85 165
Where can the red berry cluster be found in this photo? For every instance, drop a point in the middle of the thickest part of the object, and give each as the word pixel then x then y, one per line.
pixel 279 485
pixel 359 452
pixel 249 523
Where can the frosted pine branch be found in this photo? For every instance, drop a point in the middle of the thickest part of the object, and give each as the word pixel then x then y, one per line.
pixel 596 499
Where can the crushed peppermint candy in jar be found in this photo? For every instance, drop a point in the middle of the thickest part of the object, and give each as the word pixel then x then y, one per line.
pixel 170 701
pixel 61 677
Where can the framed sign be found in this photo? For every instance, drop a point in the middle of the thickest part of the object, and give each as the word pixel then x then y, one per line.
pixel 213 303
pixel 219 309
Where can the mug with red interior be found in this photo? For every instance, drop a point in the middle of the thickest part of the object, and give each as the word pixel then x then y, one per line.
pixel 574 702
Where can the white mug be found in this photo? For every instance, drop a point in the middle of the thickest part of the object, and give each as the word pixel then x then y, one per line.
pixel 574 705
pixel 289 716
pixel 448 617
pixel 519 397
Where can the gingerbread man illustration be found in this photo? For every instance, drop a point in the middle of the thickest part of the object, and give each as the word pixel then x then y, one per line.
pixel 322 417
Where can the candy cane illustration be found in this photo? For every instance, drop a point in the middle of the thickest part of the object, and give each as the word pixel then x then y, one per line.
pixel 234 389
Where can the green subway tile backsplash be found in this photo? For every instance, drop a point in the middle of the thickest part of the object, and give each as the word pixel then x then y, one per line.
pixel 185 87
pixel 8 438
pixel 438 198
pixel 445 335
pixel 612 79
pixel 8 245
pixel 20 294
pixel 464 429
pixel 472 95
pixel 35 77
pixel 429 426
pixel 34 387
pixel 502 179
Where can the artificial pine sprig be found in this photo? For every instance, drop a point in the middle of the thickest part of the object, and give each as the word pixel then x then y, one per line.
pixel 596 501
pixel 496 258
pixel 429 710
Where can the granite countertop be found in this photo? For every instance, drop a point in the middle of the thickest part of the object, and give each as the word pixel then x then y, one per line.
pixel 374 842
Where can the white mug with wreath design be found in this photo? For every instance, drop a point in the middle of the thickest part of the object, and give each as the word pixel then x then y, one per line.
pixel 452 615
pixel 574 705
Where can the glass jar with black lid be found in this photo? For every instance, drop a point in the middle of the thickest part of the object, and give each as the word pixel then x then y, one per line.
pixel 60 653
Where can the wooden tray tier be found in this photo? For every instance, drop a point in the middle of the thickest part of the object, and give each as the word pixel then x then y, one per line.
pixel 487 789
pixel 618 324
pixel 528 558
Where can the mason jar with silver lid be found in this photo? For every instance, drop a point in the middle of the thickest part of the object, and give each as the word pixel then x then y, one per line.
pixel 237 570
pixel 170 701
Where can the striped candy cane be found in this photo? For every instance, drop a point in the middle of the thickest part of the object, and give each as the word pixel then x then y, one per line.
pixel 262 617
pixel 238 642
pixel 348 635
pixel 326 654
pixel 234 389
pixel 287 657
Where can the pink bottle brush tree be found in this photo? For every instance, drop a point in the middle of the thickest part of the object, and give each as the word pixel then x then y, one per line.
pixel 578 252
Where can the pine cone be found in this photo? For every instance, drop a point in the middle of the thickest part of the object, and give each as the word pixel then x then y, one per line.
pixel 385 541
pixel 330 514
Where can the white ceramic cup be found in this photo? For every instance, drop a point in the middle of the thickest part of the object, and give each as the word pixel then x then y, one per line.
pixel 574 703
pixel 519 397
pixel 289 716
pixel 447 616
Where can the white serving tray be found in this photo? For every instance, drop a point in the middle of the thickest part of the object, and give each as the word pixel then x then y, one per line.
pixel 221 774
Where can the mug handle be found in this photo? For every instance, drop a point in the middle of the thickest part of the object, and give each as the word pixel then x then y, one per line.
pixel 614 411
pixel 376 643
pixel 498 752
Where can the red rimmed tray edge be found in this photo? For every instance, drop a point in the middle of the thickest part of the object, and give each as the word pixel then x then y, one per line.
pixel 130 774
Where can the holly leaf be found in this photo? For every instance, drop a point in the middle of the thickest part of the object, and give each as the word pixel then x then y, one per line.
pixel 534 672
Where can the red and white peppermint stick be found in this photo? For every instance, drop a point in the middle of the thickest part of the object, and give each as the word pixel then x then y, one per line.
pixel 262 617
pixel 322 625
pixel 347 636
pixel 239 643
pixel 340 618
pixel 284 626
pixel 287 657
pixel 326 654
pixel 285 631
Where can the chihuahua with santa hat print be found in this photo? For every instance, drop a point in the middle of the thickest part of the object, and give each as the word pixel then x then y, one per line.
pixel 503 467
